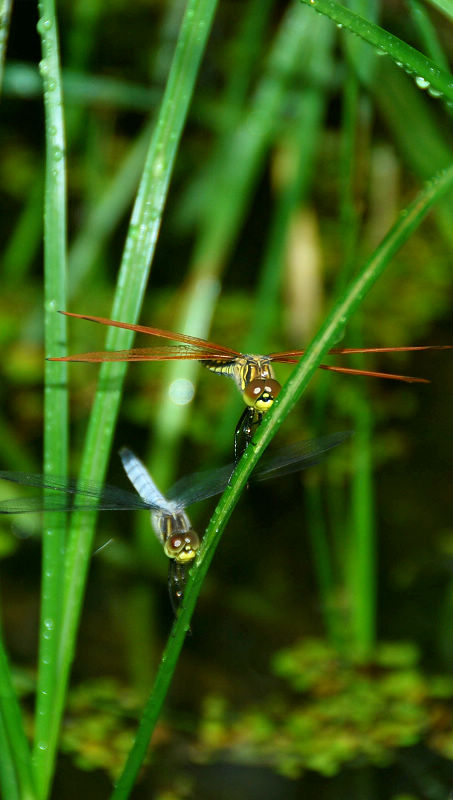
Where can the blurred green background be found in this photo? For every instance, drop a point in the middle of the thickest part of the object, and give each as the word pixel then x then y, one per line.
pixel 309 669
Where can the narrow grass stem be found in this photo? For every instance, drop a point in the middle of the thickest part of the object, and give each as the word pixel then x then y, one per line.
pixel 15 757
pixel 428 34
pixel 426 72
pixel 139 249
pixel 8 780
pixel 55 396
pixel 444 6
pixel 5 15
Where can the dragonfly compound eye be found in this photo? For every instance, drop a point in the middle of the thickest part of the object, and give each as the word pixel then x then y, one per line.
pixel 261 393
pixel 182 546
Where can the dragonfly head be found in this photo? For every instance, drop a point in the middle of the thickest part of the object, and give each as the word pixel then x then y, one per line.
pixel 261 393
pixel 182 547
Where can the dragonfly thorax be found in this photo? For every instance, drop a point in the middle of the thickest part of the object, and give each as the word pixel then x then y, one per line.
pixel 243 369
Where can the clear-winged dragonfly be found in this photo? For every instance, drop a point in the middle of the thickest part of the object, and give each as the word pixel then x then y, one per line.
pixel 169 519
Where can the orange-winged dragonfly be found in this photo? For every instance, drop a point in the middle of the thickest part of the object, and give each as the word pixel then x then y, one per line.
pixel 252 374
pixel 169 519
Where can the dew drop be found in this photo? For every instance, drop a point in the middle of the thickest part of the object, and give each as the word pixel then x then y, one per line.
pixel 421 82
pixel 44 25
pixel 434 92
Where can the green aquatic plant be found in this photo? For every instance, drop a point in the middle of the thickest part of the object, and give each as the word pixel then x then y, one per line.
pixel 263 99
pixel 331 712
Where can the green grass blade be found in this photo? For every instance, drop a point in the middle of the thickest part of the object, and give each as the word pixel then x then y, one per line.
pixel 15 758
pixel 234 171
pixel 444 6
pixel 25 239
pixel 408 114
pixel 55 396
pixel 362 555
pixel 22 80
pixel 328 335
pixel 425 71
pixel 103 219
pixel 8 781
pixel 133 276
pixel 303 140
pixel 80 38
pixel 5 15
pixel 427 34
pixel 360 552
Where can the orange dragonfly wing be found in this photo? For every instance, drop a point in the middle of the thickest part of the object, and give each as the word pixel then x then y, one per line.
pixel 292 357
pixel 191 348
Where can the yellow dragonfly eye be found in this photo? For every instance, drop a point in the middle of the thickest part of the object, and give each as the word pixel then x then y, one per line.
pixel 182 546
pixel 261 393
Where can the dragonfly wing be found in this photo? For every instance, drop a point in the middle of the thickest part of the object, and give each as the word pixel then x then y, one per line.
pixel 57 502
pixel 298 456
pixel 201 485
pixel 292 356
pixel 85 495
pixel 159 353
pixel 160 333
pixel 372 374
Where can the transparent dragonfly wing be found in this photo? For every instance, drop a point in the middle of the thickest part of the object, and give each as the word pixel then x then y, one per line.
pixel 188 490
pixel 202 485
pixel 298 456
pixel 82 496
